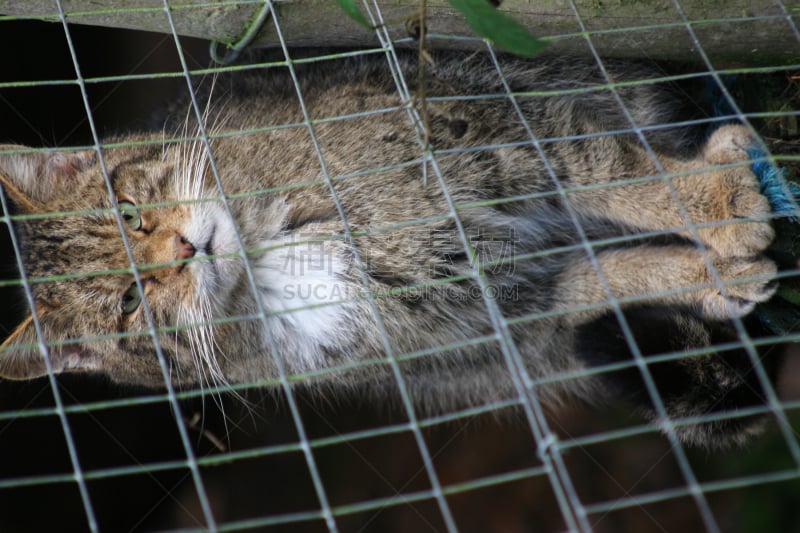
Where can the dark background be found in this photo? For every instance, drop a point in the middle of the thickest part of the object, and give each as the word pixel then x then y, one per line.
pixel 152 496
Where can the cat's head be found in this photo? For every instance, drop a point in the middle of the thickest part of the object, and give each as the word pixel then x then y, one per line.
pixel 88 308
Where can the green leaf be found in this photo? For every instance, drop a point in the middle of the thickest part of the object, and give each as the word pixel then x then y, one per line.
pixel 350 7
pixel 502 30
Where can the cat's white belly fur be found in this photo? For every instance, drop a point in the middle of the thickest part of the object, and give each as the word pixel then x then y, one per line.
pixel 302 291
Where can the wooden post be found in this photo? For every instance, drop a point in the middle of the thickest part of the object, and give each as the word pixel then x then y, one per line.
pixel 730 31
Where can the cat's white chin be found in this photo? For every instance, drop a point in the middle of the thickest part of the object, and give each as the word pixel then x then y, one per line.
pixel 213 234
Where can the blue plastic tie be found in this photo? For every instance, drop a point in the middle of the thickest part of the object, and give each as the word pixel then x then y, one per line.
pixel 783 195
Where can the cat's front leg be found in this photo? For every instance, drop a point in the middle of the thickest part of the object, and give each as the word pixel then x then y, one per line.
pixel 726 204
pixel 714 198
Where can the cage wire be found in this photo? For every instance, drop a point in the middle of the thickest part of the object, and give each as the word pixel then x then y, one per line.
pixel 223 474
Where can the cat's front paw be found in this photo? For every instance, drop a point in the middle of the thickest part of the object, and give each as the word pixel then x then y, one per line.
pixel 728 144
pixel 738 221
pixel 741 225
pixel 739 284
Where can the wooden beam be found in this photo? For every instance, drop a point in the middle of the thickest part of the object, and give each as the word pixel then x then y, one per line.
pixel 730 31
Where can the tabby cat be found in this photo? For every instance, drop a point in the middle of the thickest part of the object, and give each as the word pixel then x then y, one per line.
pixel 340 266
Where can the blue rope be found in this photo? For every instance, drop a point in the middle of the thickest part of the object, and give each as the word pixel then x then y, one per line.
pixel 783 196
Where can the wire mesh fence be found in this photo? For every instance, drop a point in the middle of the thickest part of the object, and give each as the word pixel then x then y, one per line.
pixel 85 454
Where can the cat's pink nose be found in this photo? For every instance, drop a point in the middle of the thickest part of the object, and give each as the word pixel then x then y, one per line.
pixel 183 250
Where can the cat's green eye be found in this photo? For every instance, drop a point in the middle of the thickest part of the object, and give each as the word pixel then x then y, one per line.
pixel 131 300
pixel 130 214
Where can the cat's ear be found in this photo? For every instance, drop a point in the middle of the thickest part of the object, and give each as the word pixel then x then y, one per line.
pixel 21 357
pixel 32 177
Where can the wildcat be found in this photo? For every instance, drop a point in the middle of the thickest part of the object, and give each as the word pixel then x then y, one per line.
pixel 682 256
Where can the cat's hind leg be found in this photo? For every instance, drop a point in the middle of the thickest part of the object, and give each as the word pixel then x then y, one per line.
pixel 715 376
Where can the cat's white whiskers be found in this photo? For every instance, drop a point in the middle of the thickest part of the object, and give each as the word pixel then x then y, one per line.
pixel 205 350
pixel 202 227
pixel 197 318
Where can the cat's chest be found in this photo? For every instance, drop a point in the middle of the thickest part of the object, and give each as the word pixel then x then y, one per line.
pixel 302 288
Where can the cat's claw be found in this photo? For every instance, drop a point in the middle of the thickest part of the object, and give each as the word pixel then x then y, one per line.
pixel 738 286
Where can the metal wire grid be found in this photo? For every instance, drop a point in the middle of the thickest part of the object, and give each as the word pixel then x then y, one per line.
pixel 550 447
